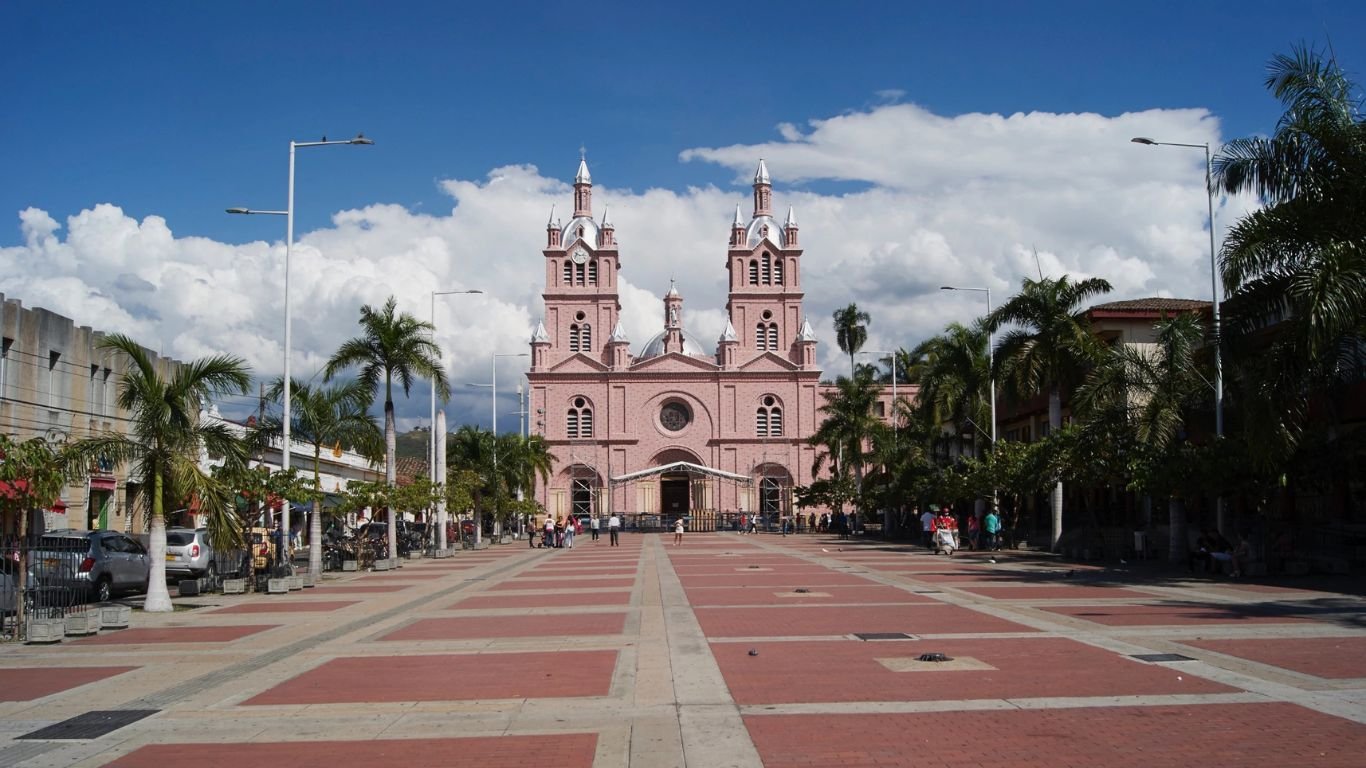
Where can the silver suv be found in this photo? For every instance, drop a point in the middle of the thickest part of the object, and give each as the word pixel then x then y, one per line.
pixel 99 563
pixel 189 555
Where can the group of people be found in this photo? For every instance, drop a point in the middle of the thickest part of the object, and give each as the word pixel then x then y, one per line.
pixel 839 523
pixel 1214 552
pixel 940 532
pixel 559 532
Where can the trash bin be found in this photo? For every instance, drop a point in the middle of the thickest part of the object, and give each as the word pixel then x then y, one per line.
pixel 1140 545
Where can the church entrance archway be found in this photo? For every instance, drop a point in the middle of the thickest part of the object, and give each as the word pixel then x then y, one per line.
pixel 674 494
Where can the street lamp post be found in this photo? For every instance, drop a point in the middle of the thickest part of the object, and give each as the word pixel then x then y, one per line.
pixel 991 353
pixel 493 385
pixel 1214 297
pixel 288 213
pixel 432 467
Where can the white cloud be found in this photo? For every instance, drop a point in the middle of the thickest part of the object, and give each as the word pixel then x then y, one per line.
pixel 938 200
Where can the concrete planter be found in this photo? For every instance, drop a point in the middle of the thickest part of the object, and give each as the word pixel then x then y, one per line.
pixel 308 580
pixel 277 587
pixel 296 583
pixel 188 587
pixel 414 555
pixel 115 616
pixel 234 586
pixel 481 544
pixel 46 630
pixel 381 565
pixel 350 565
pixel 84 623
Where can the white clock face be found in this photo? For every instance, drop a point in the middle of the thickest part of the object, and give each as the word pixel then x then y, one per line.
pixel 579 256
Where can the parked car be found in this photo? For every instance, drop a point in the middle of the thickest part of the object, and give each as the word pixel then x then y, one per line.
pixel 189 555
pixel 100 563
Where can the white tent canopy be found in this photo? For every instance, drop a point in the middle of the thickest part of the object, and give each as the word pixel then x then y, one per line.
pixel 680 466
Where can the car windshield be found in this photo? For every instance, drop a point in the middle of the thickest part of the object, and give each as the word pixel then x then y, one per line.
pixel 179 538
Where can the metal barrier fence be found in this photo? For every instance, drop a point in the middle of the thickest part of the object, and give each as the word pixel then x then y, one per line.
pixel 706 521
pixel 53 586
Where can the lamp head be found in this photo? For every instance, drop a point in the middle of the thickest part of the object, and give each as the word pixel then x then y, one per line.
pixel 1143 140
pixel 360 139
pixel 238 210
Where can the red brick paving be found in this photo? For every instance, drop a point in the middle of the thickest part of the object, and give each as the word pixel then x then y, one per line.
pixel 1238 735
pixel 176 635
pixel 571 750
pixel 1337 658
pixel 772 579
pixel 27 684
pixel 551 572
pixel 359 589
pixel 873 593
pixel 562 583
pixel 448 677
pixel 1170 614
pixel 470 627
pixel 311 606
pixel 845 670
pixel 843 620
pixel 1055 593
pixel 622 597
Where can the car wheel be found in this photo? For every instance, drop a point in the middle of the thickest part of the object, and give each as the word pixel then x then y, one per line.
pixel 104 590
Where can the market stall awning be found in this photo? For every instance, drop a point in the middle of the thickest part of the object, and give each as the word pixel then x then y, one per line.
pixel 681 466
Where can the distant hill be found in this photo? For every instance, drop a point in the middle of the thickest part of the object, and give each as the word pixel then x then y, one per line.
pixel 413 445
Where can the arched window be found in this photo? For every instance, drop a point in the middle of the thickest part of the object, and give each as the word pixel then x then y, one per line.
pixel 753 272
pixel 579 419
pixel 773 336
pixel 593 272
pixel 586 338
pixel 768 269
pixel 568 272
pixel 768 419
pixel 578 274
pixel 574 337
pixel 778 271
pixel 761 336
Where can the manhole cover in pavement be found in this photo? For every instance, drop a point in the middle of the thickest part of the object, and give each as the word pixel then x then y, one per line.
pixel 883 636
pixel 91 725
pixel 1161 657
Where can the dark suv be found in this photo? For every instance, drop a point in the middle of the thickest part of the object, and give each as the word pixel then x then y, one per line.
pixel 99 563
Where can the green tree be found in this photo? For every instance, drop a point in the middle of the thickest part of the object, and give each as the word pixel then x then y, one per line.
pixel 33 472
pixel 1299 261
pixel 166 436
pixel 328 417
pixel 520 461
pixel 1047 349
pixel 470 450
pixel 851 331
pixel 849 428
pixel 391 345
pixel 955 380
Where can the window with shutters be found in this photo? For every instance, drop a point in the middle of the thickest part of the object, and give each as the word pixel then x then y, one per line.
pixel 761 422
pixel 768 418
pixel 753 272
pixel 574 337
pixel 568 272
pixel 593 272
pixel 761 336
pixel 586 338
pixel 579 420
pixel 778 271
pixel 578 274
pixel 767 268
pixel 773 336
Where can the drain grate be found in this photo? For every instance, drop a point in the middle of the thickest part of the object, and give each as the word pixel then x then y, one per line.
pixel 883 636
pixel 1155 657
pixel 91 725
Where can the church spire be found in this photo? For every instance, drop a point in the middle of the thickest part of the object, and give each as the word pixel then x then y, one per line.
pixel 583 190
pixel 763 191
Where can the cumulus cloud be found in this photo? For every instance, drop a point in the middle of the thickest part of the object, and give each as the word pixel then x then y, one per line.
pixel 974 199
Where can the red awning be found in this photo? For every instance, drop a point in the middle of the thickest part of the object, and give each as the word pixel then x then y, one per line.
pixel 10 490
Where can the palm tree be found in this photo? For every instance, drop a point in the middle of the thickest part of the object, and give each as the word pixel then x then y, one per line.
pixel 1048 348
pixel 1301 258
pixel 1149 392
pixel 849 429
pixel 955 379
pixel 166 435
pixel 390 345
pixel 851 331
pixel 471 449
pixel 520 461
pixel 328 417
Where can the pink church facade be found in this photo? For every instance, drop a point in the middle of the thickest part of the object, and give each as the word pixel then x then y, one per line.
pixel 676 425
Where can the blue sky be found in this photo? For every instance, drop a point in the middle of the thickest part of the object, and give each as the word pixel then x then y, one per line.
pixel 175 111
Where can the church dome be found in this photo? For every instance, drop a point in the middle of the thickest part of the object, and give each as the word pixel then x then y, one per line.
pixel 655 347
pixel 590 232
pixel 756 233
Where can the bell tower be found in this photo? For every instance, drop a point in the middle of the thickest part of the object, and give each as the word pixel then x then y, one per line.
pixel 764 259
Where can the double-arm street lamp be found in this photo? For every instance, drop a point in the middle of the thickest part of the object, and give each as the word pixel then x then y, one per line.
pixel 435 465
pixel 991 352
pixel 288 213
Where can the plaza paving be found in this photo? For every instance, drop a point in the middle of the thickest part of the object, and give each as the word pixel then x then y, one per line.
pixel 728 651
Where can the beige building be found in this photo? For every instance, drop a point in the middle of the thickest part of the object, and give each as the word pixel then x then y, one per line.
pixel 56 383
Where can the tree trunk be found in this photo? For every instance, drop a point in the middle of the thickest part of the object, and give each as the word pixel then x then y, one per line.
pixel 158 597
pixel 391 470
pixel 1055 424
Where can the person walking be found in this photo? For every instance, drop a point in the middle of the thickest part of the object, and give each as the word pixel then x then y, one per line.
pixel 992 525
pixel 549 529
pixel 613 530
pixel 570 526
pixel 593 527
pixel 678 532
pixel 927 528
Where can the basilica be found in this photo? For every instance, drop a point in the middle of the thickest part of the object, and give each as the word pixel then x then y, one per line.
pixel 676 425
